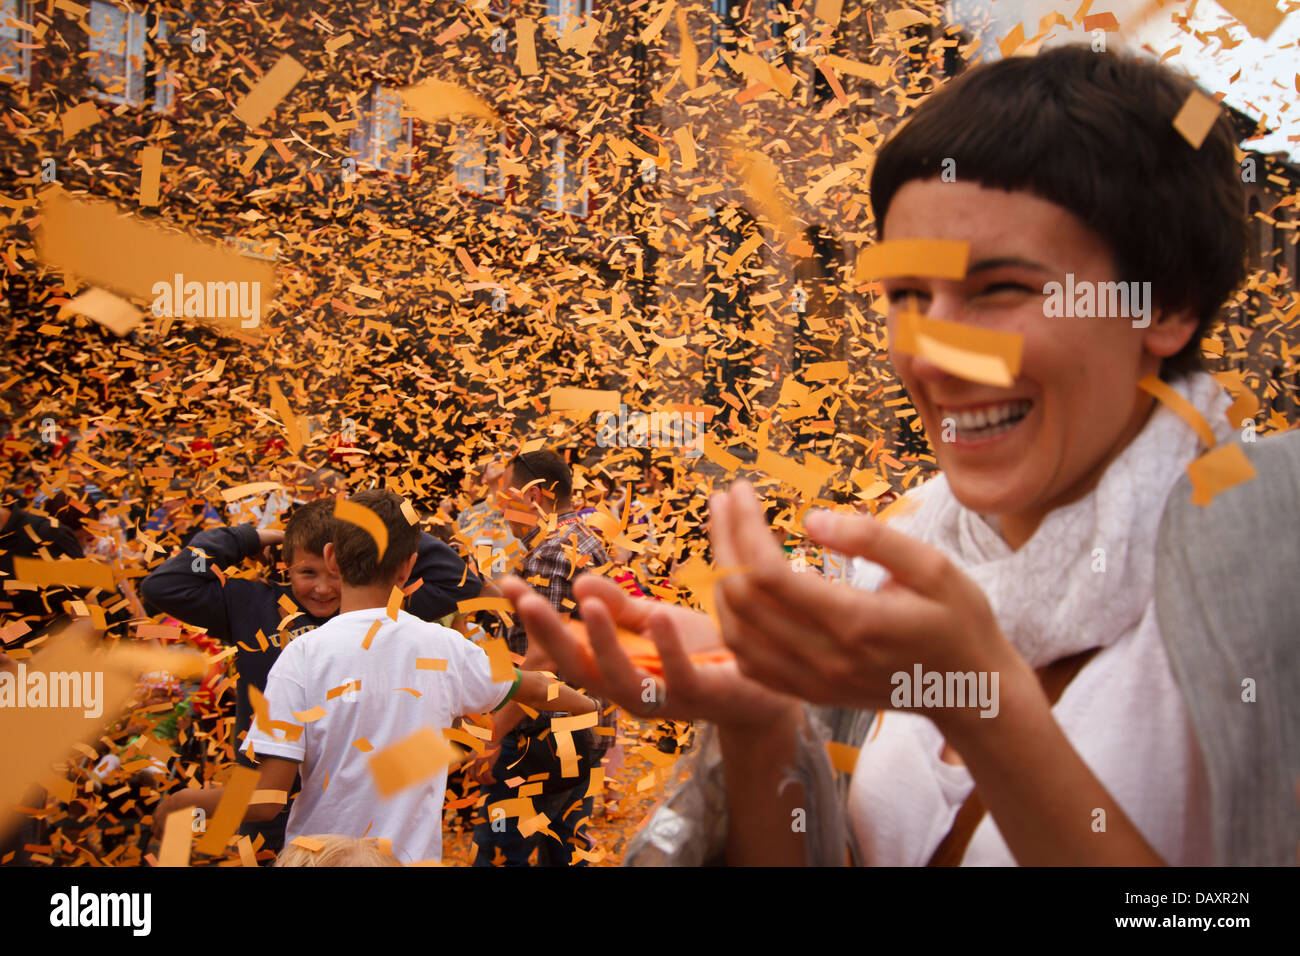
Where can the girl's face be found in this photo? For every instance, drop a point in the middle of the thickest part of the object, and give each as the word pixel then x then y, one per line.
pixel 1020 452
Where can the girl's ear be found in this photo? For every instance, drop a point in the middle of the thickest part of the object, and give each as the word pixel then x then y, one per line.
pixel 1169 333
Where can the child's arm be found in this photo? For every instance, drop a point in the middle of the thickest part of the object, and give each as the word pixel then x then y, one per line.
pixel 532 692
pixel 278 774
pixel 186 587
pixel 441 570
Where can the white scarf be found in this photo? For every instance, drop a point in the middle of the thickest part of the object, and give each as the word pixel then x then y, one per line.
pixel 1048 599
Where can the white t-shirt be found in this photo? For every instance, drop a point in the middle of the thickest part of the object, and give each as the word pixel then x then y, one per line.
pixel 1125 716
pixel 338 793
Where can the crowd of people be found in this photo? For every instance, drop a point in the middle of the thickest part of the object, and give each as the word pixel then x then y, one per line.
pixel 522 515
pixel 1060 550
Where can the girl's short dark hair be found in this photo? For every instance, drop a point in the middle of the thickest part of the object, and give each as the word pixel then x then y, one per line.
pixel 1093 133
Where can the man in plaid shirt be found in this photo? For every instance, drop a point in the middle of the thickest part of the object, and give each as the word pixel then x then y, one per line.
pixel 541 485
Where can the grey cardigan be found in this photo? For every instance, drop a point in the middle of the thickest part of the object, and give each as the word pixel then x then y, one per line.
pixel 1229 610
pixel 1228 602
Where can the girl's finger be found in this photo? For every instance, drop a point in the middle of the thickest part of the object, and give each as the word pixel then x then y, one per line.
pixel 912 563
pixel 621 678
pixel 545 626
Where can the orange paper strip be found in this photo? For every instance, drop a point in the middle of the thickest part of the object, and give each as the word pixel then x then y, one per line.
pixel 69 572
pixel 498 652
pixel 1218 470
pixel 1196 118
pixel 584 399
pixel 267 93
pixel 484 604
pixel 364 518
pixel 93 241
pixel 526 50
pixel 409 762
pixel 81 116
pixel 238 792
pixel 100 306
pixel 969 352
pixel 150 175
pixel 178 838
pixel 934 258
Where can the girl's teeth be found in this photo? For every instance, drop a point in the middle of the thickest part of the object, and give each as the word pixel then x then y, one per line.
pixel 990 420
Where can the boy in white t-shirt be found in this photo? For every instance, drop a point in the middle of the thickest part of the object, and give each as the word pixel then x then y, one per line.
pixel 362 682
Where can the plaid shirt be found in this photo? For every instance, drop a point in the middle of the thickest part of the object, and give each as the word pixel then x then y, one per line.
pixel 550 566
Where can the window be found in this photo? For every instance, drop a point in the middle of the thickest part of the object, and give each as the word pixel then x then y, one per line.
pixel 474 158
pixel 119 65
pixel 564 12
pixel 15 62
pixel 383 137
pixel 726 26
pixel 781 23
pixel 565 189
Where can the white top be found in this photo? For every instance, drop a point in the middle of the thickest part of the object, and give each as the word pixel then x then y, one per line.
pixel 1125 716
pixel 380 711
pixel 1085 579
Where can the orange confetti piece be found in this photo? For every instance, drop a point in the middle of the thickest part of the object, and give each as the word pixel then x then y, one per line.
pixel 267 93
pixel 82 116
pixel 178 839
pixel 235 797
pixel 309 716
pixel 967 351
pixel 434 100
pixel 68 572
pixel 1218 470
pixel 584 399
pixel 498 652
pixel 367 520
pixel 1172 400
pixel 116 315
pixel 907 258
pixel 484 604
pixel 430 664
pixel 134 258
pixel 150 175
pixel 689 56
pixel 843 757
pixel 410 761
pixel 1196 118
pixel 525 46
pixel 643 653
pixel 1259 17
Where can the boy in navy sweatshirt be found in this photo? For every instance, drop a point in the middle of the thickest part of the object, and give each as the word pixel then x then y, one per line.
pixel 186 587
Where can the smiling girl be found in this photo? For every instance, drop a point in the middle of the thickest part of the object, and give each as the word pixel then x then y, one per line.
pixel 1032 555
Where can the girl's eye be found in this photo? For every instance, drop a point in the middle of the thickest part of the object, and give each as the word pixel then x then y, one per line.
pixel 1016 287
pixel 903 296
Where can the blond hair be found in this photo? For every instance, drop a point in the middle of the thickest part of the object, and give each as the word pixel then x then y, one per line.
pixel 336 850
